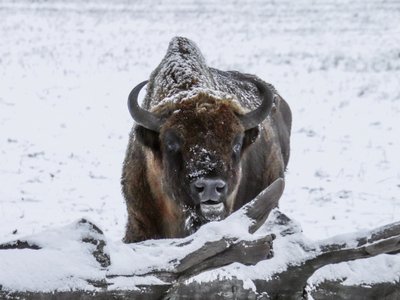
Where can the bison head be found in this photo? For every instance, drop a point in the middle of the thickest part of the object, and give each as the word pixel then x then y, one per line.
pixel 197 146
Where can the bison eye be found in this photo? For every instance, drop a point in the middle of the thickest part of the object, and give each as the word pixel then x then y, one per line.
pixel 237 148
pixel 173 146
pixel 172 142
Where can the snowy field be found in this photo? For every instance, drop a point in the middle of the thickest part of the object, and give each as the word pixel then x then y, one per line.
pixel 66 69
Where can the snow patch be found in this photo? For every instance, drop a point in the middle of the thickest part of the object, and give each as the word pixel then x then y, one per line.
pixel 378 269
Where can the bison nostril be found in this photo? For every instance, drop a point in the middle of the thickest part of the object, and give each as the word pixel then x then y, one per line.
pixel 199 186
pixel 199 189
pixel 220 189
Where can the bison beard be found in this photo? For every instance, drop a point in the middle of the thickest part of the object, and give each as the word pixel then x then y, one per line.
pixel 206 143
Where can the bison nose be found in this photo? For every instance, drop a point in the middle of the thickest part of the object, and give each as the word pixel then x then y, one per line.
pixel 209 190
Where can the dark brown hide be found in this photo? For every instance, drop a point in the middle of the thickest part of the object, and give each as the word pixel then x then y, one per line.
pixel 204 128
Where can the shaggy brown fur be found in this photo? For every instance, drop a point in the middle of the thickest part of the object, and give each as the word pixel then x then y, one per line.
pixel 204 128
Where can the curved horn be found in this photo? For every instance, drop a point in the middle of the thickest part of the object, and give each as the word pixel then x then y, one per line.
pixel 255 117
pixel 140 115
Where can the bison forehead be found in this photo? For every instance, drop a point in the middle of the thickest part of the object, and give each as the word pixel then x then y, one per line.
pixel 204 117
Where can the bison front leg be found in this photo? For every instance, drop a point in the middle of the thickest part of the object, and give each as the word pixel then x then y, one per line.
pixel 139 228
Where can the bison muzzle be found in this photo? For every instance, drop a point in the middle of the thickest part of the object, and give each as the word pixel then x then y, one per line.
pixel 205 143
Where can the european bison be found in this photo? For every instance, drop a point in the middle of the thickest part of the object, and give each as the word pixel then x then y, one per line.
pixel 205 143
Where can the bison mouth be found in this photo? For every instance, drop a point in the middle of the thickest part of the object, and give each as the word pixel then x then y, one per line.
pixel 203 213
pixel 212 211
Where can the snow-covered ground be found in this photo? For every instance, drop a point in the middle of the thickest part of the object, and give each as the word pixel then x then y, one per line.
pixel 66 69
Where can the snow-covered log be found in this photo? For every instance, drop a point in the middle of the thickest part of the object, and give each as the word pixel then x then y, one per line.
pixel 294 282
pixel 232 258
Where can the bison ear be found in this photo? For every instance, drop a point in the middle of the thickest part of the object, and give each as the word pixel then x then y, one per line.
pixel 148 138
pixel 250 136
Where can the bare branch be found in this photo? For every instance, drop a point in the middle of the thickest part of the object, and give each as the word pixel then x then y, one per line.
pixel 259 209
